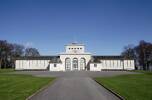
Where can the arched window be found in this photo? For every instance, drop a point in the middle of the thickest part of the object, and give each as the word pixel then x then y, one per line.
pixel 67 64
pixel 82 64
pixel 75 64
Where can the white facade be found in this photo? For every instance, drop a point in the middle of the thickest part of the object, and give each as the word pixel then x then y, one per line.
pixel 31 64
pixel 74 58
pixel 56 67
pixel 113 65
pixel 75 61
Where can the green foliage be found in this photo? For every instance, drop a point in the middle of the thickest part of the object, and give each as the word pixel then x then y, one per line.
pixel 19 87
pixel 131 87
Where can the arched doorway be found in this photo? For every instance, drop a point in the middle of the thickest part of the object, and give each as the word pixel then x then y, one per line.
pixel 75 64
pixel 67 64
pixel 82 64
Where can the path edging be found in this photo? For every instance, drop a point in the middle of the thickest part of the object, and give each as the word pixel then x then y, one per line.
pixel 41 89
pixel 110 90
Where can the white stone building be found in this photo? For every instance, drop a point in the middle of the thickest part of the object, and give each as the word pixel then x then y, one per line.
pixel 74 58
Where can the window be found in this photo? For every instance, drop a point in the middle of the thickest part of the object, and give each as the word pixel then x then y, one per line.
pixel 75 63
pixel 105 63
pixel 80 48
pixel 95 65
pixel 69 48
pixel 54 65
pixel 117 64
pixel 67 64
pixel 82 64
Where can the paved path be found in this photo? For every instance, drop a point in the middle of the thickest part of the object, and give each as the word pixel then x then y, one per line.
pixel 74 73
pixel 75 86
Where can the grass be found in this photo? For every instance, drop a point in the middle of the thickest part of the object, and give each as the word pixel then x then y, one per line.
pixel 131 87
pixel 19 87
pixel 6 70
pixel 142 71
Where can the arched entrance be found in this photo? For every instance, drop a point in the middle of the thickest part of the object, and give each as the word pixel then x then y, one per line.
pixel 75 64
pixel 67 64
pixel 82 64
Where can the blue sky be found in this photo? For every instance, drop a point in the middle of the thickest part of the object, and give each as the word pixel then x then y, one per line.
pixel 104 26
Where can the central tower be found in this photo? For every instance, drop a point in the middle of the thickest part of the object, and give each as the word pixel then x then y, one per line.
pixel 75 57
pixel 75 48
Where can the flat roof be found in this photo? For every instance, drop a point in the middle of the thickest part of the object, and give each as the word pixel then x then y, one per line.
pixel 64 53
pixel 36 57
pixel 75 44
pixel 57 57
pixel 111 57
pixel 52 59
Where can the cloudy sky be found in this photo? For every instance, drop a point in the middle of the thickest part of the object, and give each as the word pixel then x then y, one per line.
pixel 104 26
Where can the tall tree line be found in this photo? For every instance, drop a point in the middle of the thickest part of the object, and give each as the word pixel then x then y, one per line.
pixel 142 53
pixel 9 51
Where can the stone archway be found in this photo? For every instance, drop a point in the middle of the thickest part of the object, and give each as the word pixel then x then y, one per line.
pixel 75 64
pixel 67 64
pixel 82 64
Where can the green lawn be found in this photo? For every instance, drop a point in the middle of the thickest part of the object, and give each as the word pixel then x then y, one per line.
pixel 19 87
pixel 131 87
pixel 6 70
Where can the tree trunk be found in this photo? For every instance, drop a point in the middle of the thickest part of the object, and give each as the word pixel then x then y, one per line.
pixel 0 63
pixel 5 62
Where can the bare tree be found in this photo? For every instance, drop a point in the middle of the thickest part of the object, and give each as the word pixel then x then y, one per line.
pixel 144 53
pixel 18 50
pixel 9 51
pixel 129 52
pixel 5 52
pixel 31 52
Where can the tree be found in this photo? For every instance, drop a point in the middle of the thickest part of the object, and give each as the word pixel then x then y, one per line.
pixel 31 52
pixel 129 52
pixel 18 50
pixel 144 53
pixel 9 51
pixel 5 52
